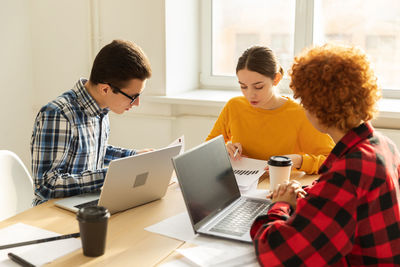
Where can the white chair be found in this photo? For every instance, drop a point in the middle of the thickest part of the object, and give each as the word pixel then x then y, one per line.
pixel 16 186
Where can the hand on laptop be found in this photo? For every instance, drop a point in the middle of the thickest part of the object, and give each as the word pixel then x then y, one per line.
pixel 288 192
pixel 141 151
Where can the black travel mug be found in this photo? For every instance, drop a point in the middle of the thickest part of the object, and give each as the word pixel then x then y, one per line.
pixel 93 229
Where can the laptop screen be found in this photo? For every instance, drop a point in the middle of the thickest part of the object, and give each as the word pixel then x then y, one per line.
pixel 206 179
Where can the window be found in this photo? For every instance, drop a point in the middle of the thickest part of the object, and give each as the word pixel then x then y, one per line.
pixel 287 26
pixel 235 25
pixel 374 43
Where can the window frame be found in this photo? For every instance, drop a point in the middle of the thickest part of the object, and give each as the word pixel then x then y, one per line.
pixel 303 37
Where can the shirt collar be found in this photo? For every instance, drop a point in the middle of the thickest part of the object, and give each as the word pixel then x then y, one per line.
pixel 351 139
pixel 86 101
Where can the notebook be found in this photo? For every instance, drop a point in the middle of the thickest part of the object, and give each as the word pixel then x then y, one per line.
pixel 129 182
pixel 212 195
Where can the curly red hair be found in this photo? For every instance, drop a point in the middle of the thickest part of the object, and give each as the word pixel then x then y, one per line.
pixel 337 84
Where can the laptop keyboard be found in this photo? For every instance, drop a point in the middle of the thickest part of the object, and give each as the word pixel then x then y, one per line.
pixel 87 204
pixel 239 220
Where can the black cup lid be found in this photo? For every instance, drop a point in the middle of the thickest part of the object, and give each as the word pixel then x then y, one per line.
pixel 280 161
pixel 92 213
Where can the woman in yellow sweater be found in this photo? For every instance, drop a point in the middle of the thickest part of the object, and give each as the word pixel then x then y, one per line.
pixel 262 123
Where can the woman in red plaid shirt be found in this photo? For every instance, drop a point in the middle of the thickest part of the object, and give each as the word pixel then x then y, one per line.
pixel 350 216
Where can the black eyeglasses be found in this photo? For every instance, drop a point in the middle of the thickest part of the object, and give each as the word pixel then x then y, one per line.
pixel 132 98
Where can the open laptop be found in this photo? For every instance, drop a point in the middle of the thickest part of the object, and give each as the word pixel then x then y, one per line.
pixel 129 182
pixel 212 195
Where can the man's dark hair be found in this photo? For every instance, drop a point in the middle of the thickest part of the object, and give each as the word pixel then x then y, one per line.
pixel 119 62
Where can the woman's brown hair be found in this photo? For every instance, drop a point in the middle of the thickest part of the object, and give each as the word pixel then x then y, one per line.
pixel 259 59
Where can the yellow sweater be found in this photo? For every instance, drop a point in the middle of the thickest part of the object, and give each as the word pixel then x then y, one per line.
pixel 265 133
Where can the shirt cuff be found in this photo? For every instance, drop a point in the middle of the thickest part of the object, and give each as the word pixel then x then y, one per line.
pixel 307 164
pixel 280 208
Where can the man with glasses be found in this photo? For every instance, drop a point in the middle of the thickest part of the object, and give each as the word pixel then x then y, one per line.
pixel 69 148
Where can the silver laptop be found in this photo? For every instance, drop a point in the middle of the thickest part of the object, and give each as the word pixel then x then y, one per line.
pixel 212 195
pixel 129 182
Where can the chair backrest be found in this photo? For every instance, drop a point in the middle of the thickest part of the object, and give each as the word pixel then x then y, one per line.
pixel 16 186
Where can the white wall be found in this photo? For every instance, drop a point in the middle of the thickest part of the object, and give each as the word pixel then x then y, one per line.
pixel 142 22
pixel 60 46
pixel 182 45
pixel 149 126
pixel 394 135
pixel 16 80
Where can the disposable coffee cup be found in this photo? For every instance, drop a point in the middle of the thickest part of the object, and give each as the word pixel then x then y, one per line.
pixel 93 229
pixel 279 170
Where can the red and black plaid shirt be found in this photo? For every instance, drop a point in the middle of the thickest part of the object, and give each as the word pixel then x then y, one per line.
pixel 351 216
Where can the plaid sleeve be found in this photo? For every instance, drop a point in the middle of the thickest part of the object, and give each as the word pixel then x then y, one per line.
pixel 51 142
pixel 320 233
pixel 276 211
pixel 113 152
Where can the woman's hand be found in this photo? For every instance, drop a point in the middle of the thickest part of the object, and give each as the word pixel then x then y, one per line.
pixel 297 160
pixel 141 151
pixel 234 150
pixel 288 192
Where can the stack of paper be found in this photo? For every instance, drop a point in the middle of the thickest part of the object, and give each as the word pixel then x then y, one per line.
pixel 248 171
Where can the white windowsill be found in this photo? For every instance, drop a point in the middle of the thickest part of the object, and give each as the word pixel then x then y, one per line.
pixel 389 108
pixel 200 97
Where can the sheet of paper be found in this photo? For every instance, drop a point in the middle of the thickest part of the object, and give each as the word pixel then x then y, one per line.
pixel 256 193
pixel 247 171
pixel 180 227
pixel 183 262
pixel 210 251
pixel 248 260
pixel 177 141
pixel 245 260
pixel 202 255
pixel 211 256
pixel 229 246
pixel 37 254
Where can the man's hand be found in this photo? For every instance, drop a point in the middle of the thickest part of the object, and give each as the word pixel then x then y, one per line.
pixel 141 151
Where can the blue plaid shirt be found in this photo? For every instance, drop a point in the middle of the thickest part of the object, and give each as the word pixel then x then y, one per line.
pixel 69 146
